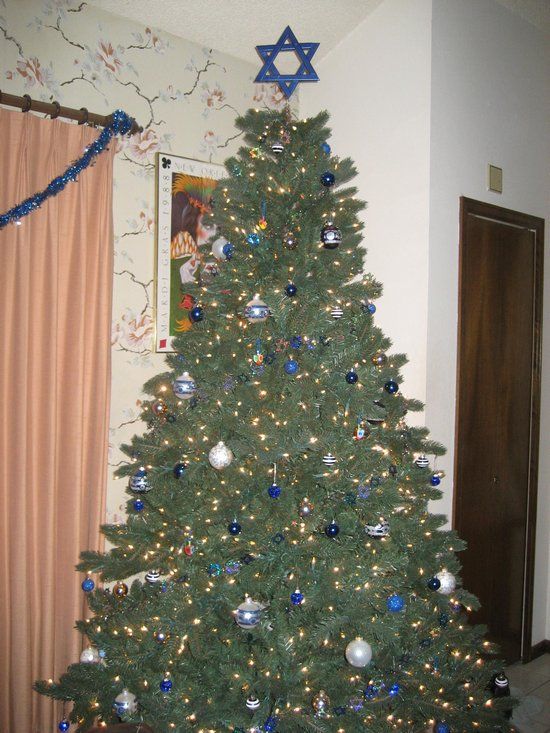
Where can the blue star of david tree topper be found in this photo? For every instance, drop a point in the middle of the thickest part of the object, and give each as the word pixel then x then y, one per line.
pixel 287 82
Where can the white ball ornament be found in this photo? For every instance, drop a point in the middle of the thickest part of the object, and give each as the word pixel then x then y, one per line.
pixel 256 311
pixel 252 702
pixel 125 702
pixel 89 655
pixel 448 582
pixel 152 576
pixel 358 653
pixel 422 461
pixel 220 456
pixel 248 614
pixel 217 248
pixel 184 387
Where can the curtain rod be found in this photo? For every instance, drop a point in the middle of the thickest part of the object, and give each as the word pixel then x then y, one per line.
pixel 54 109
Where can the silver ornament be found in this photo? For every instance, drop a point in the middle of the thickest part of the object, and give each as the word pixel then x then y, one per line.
pixel 306 508
pixel 321 704
pixel 184 386
pixel 248 614
pixel 448 582
pixel 358 653
pixel 422 461
pixel 256 311
pixel 381 529
pixel 89 655
pixel 220 456
pixel 252 702
pixel 125 702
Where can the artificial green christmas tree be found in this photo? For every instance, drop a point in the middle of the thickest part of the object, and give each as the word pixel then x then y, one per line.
pixel 295 579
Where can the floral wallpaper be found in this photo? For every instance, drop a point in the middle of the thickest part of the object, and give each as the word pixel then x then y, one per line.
pixel 185 97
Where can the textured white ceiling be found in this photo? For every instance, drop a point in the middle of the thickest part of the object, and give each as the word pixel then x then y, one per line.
pixel 238 26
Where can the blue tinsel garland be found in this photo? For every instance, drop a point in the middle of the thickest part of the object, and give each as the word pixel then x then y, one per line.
pixel 120 125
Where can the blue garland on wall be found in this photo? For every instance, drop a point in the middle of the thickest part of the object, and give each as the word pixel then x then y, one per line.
pixel 121 125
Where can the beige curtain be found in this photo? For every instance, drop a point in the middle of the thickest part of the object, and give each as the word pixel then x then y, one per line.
pixel 55 313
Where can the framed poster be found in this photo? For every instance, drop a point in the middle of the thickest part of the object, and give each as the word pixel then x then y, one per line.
pixel 184 235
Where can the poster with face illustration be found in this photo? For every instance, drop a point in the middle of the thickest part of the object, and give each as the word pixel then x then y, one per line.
pixel 184 235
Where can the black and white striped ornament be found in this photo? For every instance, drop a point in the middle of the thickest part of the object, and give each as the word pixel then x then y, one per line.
pixel 329 459
pixel 337 312
pixel 277 147
pixel 422 461
pixel 152 576
pixel 252 702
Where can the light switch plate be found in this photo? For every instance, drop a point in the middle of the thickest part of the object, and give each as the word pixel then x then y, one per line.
pixel 495 179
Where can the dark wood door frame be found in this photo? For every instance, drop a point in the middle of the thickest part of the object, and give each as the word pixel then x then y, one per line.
pixel 471 207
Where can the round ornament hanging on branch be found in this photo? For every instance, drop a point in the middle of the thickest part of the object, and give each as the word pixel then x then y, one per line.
pixel 184 386
pixel 321 704
pixel 220 456
pixel 125 703
pixel 331 236
pixel 248 614
pixel 139 483
pixel 358 653
pixel 256 311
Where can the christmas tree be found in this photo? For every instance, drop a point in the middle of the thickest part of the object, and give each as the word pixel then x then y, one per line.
pixel 294 578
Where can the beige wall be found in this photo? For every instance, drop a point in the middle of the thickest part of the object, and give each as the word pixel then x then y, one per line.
pixel 186 96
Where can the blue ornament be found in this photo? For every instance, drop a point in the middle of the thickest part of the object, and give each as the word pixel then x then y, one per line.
pixel 274 491
pixel 332 529
pixel 271 723
pixel 291 366
pixel 371 692
pixel 139 505
pixel 166 685
pixel 351 377
pixel 356 703
pixel 228 249
pixel 368 307
pixel 395 603
pixel 287 43
pixel 232 567
pixel 327 179
pixel 291 290
pixel 278 538
pixel 63 725
pixel 443 619
pixel 88 585
pixel 442 728
pixel 234 528
pixel 196 314
pixel 391 387
pixel 394 690
pixel 139 483
pixel 456 607
pixel 253 239
pixel 363 491
pixel 214 569
pixel 179 469
pixel 435 480
pixel 296 342
pixel 434 583
pixel 296 598
pixel 325 147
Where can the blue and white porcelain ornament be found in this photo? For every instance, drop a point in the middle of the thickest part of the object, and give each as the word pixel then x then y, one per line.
pixel 380 529
pixel 139 483
pixel 248 614
pixel 125 703
pixel 422 461
pixel 358 653
pixel 152 576
pixel 447 582
pixel 256 311
pixel 89 655
pixel 184 386
pixel 220 456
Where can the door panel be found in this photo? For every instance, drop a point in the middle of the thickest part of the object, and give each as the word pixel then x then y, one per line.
pixel 496 438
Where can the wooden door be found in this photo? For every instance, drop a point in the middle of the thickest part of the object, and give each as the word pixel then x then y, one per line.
pixel 499 341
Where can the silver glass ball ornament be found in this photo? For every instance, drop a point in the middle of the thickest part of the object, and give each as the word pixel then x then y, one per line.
pixel 448 582
pixel 358 653
pixel 220 456
pixel 379 359
pixel 89 655
pixel 184 386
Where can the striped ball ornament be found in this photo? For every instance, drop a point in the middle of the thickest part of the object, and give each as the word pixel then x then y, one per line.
pixel 422 461
pixel 329 459
pixel 277 148
pixel 337 312
pixel 152 576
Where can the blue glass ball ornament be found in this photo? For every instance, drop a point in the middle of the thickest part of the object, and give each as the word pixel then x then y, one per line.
pixel 291 290
pixel 371 692
pixel 434 583
pixel 391 387
pixel 394 690
pixel 253 239
pixel 442 728
pixel 435 480
pixel 271 723
pixel 139 505
pixel 234 528
pixel 296 598
pixel 214 569
pixel 165 685
pixel 228 250
pixel 327 179
pixel 274 491
pixel 296 342
pixel 196 314
pixel 291 366
pixel 455 607
pixel 395 603
pixel 325 147
pixel 352 377
pixel 332 529
pixel 88 585
pixel 63 725
pixel 179 469
pixel 368 307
